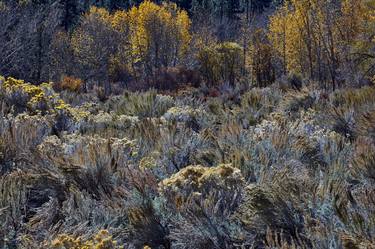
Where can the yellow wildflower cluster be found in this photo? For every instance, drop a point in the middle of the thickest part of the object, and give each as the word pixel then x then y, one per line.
pixel 101 241
pixel 197 181
pixel 147 163
pixel 198 175
pixel 36 95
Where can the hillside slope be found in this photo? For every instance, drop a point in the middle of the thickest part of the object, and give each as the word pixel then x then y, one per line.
pixel 249 168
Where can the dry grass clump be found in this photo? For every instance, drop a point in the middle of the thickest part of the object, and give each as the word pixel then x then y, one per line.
pixel 366 124
pixel 353 97
pixel 350 113
pixel 343 122
pixel 363 165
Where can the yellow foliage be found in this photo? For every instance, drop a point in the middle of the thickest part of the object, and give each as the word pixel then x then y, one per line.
pixel 159 33
pixel 101 14
pixel 286 36
pixel 307 33
pixel 120 21
pixel 281 33
pixel 149 35
pixel 358 25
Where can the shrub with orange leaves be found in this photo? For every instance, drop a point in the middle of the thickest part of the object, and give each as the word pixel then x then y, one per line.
pixel 70 83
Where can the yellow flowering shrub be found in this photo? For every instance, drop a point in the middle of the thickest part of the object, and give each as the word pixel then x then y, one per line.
pixel 34 94
pixel 102 240
pixel 37 98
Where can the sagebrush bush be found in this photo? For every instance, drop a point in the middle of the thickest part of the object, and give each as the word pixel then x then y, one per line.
pixel 143 105
pixel 264 209
pixel 297 100
pixel 203 198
